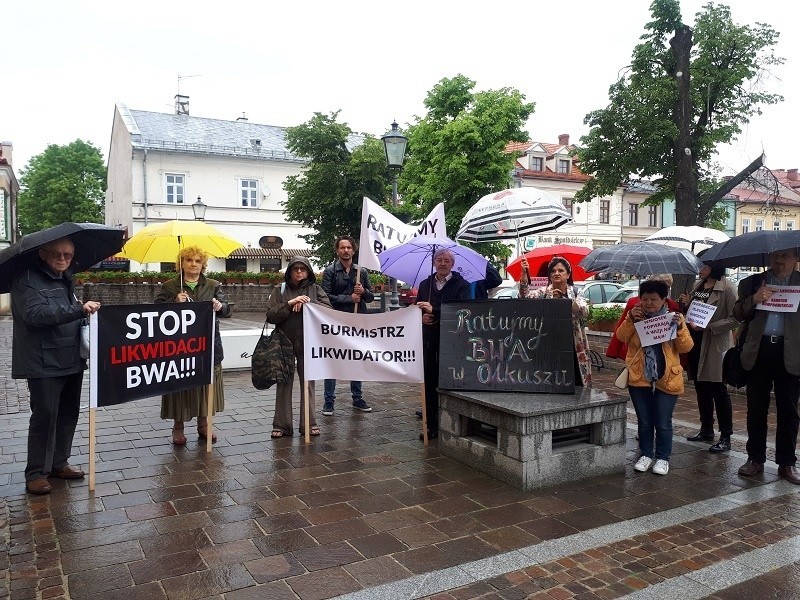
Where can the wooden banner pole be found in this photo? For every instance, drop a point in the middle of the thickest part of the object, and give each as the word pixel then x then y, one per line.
pixel 91 448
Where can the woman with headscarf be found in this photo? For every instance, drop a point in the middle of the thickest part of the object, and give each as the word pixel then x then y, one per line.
pixel 655 376
pixel 705 359
pixel 285 311
pixel 560 286
pixel 193 286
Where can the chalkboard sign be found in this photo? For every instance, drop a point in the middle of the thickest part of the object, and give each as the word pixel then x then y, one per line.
pixel 520 345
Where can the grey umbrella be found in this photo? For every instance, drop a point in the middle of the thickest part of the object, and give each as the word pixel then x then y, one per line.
pixel 93 242
pixel 641 259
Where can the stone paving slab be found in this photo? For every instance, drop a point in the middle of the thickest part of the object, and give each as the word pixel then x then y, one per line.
pixel 367 510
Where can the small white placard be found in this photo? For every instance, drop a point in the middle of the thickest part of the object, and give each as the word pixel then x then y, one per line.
pixel 656 329
pixel 784 299
pixel 700 313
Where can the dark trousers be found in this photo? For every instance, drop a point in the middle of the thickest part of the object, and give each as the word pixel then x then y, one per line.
pixel 711 395
pixel 430 358
pixel 55 407
pixel 769 370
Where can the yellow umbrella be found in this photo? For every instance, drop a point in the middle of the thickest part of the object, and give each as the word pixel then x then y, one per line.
pixel 161 242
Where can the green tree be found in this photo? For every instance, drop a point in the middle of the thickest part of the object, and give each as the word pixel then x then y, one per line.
pixel 687 91
pixel 62 184
pixel 327 196
pixel 456 152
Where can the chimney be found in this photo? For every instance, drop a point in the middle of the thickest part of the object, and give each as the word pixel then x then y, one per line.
pixel 7 149
pixel 791 174
pixel 242 119
pixel 563 139
pixel 181 105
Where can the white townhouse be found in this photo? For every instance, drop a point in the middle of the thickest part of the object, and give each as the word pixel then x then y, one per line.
pixel 160 164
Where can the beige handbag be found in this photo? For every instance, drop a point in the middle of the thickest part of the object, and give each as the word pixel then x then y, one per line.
pixel 622 379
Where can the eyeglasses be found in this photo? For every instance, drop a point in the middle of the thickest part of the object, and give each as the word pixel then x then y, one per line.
pixel 61 255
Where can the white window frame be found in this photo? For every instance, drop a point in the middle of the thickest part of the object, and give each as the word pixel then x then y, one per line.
pixel 789 225
pixel 759 224
pixel 563 166
pixel 745 225
pixel 652 216
pixel 537 163
pixel 605 211
pixel 569 205
pixel 776 225
pixel 248 192
pixel 175 188
pixel 633 214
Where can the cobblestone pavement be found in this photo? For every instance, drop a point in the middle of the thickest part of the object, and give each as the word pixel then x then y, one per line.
pixel 366 512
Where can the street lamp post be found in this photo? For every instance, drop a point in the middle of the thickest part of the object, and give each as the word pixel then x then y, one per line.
pixel 394 143
pixel 199 209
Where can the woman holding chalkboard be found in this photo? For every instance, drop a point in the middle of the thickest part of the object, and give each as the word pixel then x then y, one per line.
pixel 193 286
pixel 705 359
pixel 655 376
pixel 559 272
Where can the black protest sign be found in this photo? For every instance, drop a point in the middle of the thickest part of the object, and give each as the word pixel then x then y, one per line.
pixel 152 349
pixel 510 345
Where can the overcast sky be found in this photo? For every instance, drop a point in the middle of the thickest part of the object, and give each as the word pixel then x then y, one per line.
pixel 66 64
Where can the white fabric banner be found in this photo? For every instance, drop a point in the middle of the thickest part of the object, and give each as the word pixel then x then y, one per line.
pixel 363 347
pixel 380 230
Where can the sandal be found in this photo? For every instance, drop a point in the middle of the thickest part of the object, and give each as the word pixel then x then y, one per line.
pixel 202 432
pixel 314 431
pixel 177 436
pixel 276 433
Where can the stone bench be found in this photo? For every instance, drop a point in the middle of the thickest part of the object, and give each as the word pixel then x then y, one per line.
pixel 534 440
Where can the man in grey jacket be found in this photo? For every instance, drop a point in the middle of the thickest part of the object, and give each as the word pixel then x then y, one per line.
pixel 46 352
pixel 771 353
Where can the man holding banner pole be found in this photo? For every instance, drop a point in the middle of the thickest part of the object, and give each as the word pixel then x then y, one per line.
pixel 348 290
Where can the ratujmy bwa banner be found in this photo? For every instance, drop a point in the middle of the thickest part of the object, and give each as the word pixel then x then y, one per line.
pixel 363 347
pixel 380 230
pixel 139 351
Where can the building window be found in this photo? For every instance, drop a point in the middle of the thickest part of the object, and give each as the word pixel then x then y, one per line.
pixel 776 225
pixel 759 224
pixel 537 163
pixel 563 166
pixel 745 225
pixel 633 214
pixel 175 188
pixel 789 225
pixel 248 190
pixel 567 202
pixel 652 217
pixel 605 211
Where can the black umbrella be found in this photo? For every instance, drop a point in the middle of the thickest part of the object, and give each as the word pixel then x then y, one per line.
pixel 642 258
pixel 751 249
pixel 93 242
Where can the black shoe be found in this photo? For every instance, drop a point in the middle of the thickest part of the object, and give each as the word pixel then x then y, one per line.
pixel 723 445
pixel 418 413
pixel 704 435
pixel 432 435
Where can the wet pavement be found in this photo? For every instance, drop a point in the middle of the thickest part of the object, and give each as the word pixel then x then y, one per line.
pixel 365 511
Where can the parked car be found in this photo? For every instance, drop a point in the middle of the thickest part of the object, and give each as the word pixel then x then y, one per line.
pixel 407 296
pixel 501 292
pixel 597 291
pixel 619 298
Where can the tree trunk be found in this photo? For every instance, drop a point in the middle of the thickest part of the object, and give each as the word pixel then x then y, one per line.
pixel 687 193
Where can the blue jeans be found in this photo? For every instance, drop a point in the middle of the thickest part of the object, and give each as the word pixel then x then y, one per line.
pixel 330 390
pixel 654 413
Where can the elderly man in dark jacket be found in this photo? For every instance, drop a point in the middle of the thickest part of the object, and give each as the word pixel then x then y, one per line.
pixel 46 352
pixel 441 287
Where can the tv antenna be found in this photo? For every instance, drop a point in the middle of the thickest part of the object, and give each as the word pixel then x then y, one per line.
pixel 180 77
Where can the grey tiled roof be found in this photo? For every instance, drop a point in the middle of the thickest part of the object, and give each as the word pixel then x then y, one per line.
pixel 183 133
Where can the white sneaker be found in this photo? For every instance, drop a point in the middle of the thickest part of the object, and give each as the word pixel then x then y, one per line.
pixel 661 467
pixel 643 464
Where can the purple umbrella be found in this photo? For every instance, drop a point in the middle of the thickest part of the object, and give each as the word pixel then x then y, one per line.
pixel 412 261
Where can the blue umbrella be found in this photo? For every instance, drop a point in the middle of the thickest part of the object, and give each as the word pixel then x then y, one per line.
pixel 412 261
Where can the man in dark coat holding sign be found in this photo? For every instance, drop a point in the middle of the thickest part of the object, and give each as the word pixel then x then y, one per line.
pixel 46 352
pixel 443 286
pixel 772 355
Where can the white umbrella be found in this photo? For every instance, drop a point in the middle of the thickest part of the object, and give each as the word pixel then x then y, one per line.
pixel 511 214
pixel 690 237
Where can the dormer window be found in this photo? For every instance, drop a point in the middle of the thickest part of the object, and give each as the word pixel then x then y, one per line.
pixel 564 166
pixel 537 163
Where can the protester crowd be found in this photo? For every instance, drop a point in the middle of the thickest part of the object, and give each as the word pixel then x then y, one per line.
pixel 46 342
